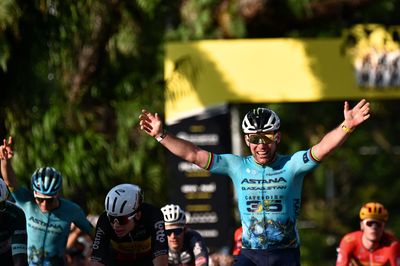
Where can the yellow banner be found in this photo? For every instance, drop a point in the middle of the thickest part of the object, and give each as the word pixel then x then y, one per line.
pixel 204 74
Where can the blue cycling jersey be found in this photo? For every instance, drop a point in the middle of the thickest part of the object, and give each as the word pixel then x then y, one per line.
pixel 48 232
pixel 269 196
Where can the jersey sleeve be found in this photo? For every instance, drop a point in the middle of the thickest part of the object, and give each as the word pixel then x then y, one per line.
pixel 225 163
pixel 22 195
pixel 303 162
pixel 158 235
pixel 101 240
pixel 19 237
pixel 394 255
pixel 199 249
pixel 344 251
pixel 81 221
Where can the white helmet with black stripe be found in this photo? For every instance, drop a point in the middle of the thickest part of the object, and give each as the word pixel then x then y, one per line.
pixel 260 120
pixel 123 199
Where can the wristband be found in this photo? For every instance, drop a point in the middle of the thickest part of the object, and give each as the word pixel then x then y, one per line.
pixel 346 129
pixel 161 136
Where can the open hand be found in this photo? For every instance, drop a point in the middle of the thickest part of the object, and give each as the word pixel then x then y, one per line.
pixel 357 115
pixel 150 123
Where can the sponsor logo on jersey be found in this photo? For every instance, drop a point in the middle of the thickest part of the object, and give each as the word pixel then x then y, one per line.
pixel 265 205
pixel 160 233
pixel 263 181
pixel 44 224
pixel 264 188
pixel 97 237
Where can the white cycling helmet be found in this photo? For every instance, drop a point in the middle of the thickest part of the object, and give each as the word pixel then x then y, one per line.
pixel 123 199
pixel 260 120
pixel 173 214
pixel 3 191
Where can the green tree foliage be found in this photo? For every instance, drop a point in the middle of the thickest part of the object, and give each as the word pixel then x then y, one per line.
pixel 75 79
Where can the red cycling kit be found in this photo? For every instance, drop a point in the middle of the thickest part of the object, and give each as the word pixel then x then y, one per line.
pixel 352 251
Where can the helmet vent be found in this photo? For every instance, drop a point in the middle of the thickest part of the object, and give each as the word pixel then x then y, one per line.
pixel 121 210
pixel 108 203
pixel 114 203
pixel 123 199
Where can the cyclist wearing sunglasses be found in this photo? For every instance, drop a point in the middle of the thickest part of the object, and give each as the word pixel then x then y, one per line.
pixel 130 231
pixel 371 245
pixel 268 184
pixel 48 216
pixel 186 246
pixel 13 235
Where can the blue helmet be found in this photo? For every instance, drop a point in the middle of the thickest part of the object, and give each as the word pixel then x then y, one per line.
pixel 47 181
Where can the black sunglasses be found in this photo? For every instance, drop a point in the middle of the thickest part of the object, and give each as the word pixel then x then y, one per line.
pixel 176 231
pixel 48 200
pixel 372 223
pixel 122 220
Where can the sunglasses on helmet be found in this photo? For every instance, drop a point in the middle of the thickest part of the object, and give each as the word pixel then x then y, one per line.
pixel 262 138
pixel 122 220
pixel 176 231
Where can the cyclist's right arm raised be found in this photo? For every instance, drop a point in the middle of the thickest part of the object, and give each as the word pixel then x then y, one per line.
pixel 6 153
pixel 152 125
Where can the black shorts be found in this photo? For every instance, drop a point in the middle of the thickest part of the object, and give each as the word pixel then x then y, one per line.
pixel 278 257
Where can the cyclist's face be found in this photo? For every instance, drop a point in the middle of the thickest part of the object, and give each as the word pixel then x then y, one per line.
pixel 123 229
pixel 263 152
pixel 372 229
pixel 45 203
pixel 175 235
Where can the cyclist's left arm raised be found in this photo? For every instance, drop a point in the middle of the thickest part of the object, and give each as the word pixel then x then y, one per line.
pixel 333 139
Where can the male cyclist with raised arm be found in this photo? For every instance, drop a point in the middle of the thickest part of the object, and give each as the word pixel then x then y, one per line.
pixel 268 184
pixel 186 246
pixel 130 231
pixel 12 231
pixel 371 245
pixel 48 216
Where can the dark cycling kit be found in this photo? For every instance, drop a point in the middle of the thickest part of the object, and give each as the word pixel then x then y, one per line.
pixel 194 251
pixel 139 247
pixel 352 251
pixel 13 235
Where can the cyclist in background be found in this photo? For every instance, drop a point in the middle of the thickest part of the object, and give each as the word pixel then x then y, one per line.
pixel 12 231
pixel 267 183
pixel 48 216
pixel 237 241
pixel 371 245
pixel 186 246
pixel 130 231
